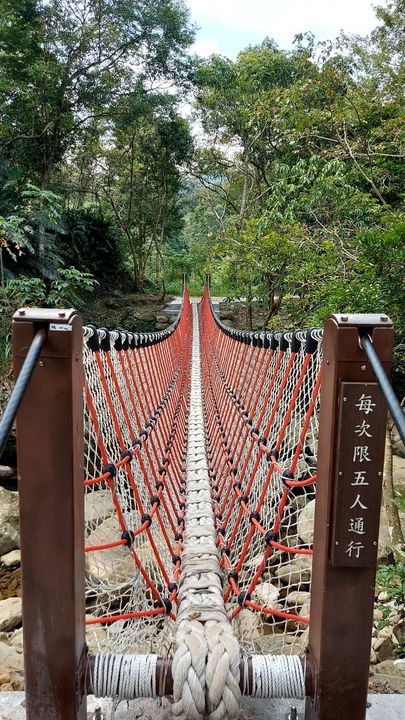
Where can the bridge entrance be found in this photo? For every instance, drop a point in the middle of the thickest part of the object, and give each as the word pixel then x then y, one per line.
pixel 230 512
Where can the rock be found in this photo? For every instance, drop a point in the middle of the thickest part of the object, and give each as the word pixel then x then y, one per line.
pixel 297 598
pixel 300 642
pixel 284 643
pixel 386 632
pixel 17 639
pixel 145 314
pixel 115 564
pixel 305 610
pixel 11 559
pixel 10 613
pixel 399 631
pixel 296 572
pixel 254 562
pixel 9 535
pixel 389 676
pixel 163 318
pixel 373 657
pixel 382 596
pixel 10 659
pixel 305 523
pixel 266 594
pixel 274 644
pixel 384 538
pixel 248 625
pixel 398 471
pixel 96 637
pixel 7 473
pixel 10 582
pixel 377 615
pixel 98 506
pixel 398 447
pixel 226 314
pixel 384 648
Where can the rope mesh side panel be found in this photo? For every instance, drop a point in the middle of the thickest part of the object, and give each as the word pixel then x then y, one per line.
pixel 261 397
pixel 136 390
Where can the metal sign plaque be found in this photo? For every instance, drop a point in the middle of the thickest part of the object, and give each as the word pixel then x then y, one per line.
pixel 358 478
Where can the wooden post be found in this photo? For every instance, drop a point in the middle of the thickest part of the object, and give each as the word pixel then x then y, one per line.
pixel 50 466
pixel 350 463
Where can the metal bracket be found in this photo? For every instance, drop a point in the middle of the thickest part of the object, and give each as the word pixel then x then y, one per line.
pixel 81 676
pixel 293 714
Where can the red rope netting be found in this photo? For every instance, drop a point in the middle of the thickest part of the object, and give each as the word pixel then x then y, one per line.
pixel 136 415
pixel 261 395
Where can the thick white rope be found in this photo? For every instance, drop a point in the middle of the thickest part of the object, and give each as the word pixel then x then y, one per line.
pixel 277 676
pixel 205 666
pixel 125 677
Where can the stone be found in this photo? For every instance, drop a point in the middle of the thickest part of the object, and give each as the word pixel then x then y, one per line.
pixel 384 648
pixel 248 625
pixel 305 610
pixel 300 642
pixel 115 564
pixel 10 659
pixel 398 447
pixel 398 471
pixel 297 598
pixel 11 559
pixel 373 657
pixel 273 644
pixel 226 314
pixel 384 538
pixel 399 631
pixel 145 314
pixel 265 594
pixel 163 317
pixel 386 631
pixel 389 676
pixel 296 572
pixel 9 534
pixel 305 523
pixel 377 615
pixel 10 613
pixel 96 637
pixel 98 506
pixel 10 582
pixel 17 639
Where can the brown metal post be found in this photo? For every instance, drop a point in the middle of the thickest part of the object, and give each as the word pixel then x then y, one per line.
pixel 350 462
pixel 50 467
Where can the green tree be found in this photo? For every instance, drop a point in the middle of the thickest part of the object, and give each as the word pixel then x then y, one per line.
pixel 140 179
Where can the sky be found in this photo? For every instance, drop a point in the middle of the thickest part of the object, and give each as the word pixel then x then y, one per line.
pixel 228 26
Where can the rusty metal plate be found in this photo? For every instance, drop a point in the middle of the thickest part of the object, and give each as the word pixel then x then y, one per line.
pixel 358 475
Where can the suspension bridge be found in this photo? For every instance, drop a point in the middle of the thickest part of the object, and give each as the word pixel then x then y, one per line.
pixel 169 541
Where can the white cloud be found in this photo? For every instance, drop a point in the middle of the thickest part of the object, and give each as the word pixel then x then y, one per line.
pixel 282 19
pixel 205 48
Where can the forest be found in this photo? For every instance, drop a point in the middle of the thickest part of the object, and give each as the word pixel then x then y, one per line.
pixel 126 160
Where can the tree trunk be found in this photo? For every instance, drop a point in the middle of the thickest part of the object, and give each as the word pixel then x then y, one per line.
pixel 1 268
pixel 243 201
pixel 391 509
pixel 249 314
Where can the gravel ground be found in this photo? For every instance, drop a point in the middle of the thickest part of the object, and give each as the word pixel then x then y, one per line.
pixel 383 707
